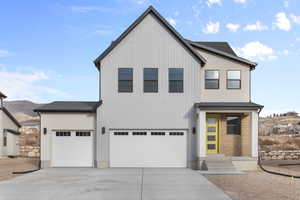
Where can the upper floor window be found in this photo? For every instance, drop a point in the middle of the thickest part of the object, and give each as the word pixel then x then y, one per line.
pixel 150 80
pixel 175 80
pixel 125 80
pixel 211 79
pixel 234 79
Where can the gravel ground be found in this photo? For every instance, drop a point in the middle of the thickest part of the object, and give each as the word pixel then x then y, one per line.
pixel 9 165
pixel 259 185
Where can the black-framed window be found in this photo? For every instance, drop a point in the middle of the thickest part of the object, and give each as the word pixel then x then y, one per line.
pixel 63 133
pixel 234 79
pixel 176 80
pixel 150 79
pixel 125 80
pixel 4 138
pixel 233 125
pixel 212 79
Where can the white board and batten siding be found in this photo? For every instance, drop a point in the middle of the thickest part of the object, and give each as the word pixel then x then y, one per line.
pixel 149 45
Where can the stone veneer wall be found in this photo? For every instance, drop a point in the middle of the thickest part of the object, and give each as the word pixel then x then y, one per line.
pixel 280 155
pixel 235 145
pixel 29 151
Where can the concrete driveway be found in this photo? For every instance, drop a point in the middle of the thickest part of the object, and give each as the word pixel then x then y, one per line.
pixel 110 184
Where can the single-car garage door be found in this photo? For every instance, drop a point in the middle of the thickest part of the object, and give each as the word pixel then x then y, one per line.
pixel 148 148
pixel 72 149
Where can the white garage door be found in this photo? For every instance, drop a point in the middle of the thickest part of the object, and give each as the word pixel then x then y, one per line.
pixel 72 149
pixel 148 148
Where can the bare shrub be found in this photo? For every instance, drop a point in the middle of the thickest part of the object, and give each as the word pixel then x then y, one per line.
pixel 268 142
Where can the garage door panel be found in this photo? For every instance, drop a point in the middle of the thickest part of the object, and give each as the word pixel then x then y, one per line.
pixel 72 151
pixel 148 150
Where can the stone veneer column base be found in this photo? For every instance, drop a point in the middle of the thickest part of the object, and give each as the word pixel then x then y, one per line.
pixel 45 164
pixel 102 164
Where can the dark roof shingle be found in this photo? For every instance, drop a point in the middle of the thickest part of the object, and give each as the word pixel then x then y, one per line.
pixel 70 106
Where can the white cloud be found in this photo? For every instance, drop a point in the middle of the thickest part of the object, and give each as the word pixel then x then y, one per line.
pixel 176 13
pixel 256 50
pixel 212 2
pixel 85 9
pixel 240 1
pixel 18 85
pixel 282 22
pixel 232 27
pixel 295 19
pixel 5 53
pixel 298 39
pixel 258 26
pixel 286 3
pixel 102 32
pixel 211 28
pixel 172 21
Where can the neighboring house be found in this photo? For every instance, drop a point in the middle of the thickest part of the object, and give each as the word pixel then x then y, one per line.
pixel 165 102
pixel 9 134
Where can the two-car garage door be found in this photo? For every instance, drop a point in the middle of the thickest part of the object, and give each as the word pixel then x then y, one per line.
pixel 144 148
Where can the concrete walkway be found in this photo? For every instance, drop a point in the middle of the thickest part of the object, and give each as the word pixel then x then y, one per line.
pixel 111 184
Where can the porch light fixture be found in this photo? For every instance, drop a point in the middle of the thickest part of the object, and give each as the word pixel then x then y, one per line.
pixel 45 131
pixel 103 130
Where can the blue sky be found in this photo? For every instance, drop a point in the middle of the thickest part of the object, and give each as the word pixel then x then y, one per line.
pixel 47 47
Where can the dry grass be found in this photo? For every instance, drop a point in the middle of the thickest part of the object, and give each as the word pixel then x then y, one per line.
pixel 9 165
pixel 258 186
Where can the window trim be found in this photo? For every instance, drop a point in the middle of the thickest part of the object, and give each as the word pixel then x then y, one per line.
pixel 176 80
pixel 157 80
pixel 212 79
pixel 227 79
pixel 240 119
pixel 4 138
pixel 125 80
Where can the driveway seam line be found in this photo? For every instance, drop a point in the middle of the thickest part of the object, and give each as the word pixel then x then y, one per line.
pixel 142 184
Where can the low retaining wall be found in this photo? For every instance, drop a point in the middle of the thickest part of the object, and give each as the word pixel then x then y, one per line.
pixel 280 155
pixel 29 151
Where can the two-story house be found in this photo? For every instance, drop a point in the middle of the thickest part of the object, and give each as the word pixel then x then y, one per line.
pixel 164 102
pixel 9 131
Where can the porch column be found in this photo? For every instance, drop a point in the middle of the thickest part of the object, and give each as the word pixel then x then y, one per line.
pixel 201 150
pixel 254 135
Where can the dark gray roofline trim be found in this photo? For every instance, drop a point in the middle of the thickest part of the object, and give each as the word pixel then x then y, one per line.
pixel 163 21
pixel 2 95
pixel 64 111
pixel 13 131
pixel 220 53
pixel 231 106
pixel 11 116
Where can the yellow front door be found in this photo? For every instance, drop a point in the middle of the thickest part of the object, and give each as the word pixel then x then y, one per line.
pixel 212 134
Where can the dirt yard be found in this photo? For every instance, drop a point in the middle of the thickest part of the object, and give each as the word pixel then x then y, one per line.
pixel 9 165
pixel 260 185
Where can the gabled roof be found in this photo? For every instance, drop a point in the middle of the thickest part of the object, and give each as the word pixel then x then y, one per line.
pixel 222 50
pixel 165 23
pixel 10 116
pixel 70 106
pixel 2 95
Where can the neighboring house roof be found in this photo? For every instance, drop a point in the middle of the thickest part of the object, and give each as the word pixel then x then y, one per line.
pixel 221 49
pixel 13 131
pixel 165 23
pixel 2 95
pixel 221 46
pixel 10 116
pixel 228 105
pixel 70 106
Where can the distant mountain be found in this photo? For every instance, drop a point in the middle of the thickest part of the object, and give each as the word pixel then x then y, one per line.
pixel 22 109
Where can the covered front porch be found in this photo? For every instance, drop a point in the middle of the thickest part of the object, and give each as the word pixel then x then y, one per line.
pixel 228 132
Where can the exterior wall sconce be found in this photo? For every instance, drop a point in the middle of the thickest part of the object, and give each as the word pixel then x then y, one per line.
pixel 103 130
pixel 45 131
